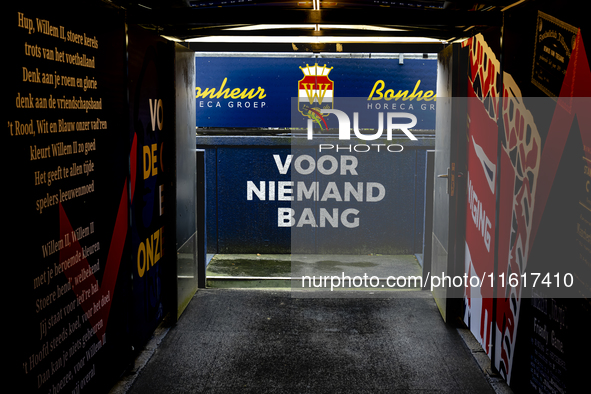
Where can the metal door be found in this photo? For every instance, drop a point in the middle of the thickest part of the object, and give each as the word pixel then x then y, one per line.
pixel 449 188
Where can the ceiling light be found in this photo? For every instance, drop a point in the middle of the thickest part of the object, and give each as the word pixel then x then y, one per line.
pixel 512 5
pixel 309 26
pixel 171 38
pixel 456 40
pixel 269 27
pixel 361 27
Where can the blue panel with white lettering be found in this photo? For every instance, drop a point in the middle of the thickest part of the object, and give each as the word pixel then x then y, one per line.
pixel 285 195
pixel 256 92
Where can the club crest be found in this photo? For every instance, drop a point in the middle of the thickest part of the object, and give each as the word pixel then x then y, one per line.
pixel 315 92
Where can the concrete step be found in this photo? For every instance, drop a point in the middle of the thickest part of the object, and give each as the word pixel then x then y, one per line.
pixel 315 272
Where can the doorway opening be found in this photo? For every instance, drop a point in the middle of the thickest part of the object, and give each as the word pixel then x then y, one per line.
pixel 279 203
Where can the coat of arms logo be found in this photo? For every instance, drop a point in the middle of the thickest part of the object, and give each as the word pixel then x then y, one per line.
pixel 315 92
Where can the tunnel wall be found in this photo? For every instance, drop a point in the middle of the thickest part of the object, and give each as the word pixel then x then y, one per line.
pixel 534 144
pixel 90 109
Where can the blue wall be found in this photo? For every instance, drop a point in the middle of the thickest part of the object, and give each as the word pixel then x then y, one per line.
pixel 236 225
pixel 274 81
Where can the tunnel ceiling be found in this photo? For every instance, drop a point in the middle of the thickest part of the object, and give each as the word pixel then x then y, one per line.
pixel 398 20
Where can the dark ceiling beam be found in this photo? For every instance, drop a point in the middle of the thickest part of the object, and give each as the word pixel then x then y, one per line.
pixel 303 48
pixel 268 14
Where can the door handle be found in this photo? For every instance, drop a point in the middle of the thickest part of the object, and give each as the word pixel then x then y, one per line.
pixel 446 177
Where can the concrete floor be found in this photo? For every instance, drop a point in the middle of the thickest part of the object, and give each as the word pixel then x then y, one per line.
pixel 266 341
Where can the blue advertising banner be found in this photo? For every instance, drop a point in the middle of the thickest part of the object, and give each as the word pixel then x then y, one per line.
pixel 252 92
